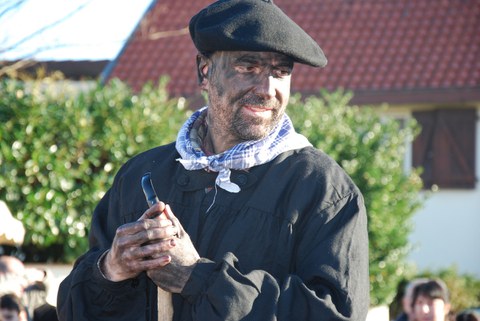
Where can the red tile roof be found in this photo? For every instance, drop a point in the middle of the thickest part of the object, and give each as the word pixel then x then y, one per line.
pixel 384 50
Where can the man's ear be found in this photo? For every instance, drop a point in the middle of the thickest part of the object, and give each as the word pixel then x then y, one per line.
pixel 202 70
pixel 22 316
pixel 447 308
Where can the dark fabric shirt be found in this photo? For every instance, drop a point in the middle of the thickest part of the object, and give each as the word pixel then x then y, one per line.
pixel 402 317
pixel 291 245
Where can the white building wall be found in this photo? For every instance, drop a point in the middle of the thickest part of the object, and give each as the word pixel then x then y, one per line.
pixel 447 229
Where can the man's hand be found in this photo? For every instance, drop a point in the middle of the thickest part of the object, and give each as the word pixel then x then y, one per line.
pixel 140 246
pixel 184 256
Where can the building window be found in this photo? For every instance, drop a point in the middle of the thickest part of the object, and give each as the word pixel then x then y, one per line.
pixel 445 148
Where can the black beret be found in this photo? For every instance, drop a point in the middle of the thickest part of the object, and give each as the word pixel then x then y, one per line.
pixel 253 25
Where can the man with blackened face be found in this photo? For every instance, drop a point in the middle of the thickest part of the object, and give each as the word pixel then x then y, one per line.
pixel 247 92
pixel 251 221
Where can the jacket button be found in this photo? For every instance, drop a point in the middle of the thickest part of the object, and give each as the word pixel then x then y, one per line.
pixel 183 180
pixel 242 179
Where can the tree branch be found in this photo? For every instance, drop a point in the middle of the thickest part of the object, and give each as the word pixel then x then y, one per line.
pixel 46 27
pixel 13 6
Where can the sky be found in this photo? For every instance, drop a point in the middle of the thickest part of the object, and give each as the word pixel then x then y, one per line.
pixel 95 32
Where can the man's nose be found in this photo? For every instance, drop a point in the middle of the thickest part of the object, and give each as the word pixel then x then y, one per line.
pixel 426 308
pixel 266 86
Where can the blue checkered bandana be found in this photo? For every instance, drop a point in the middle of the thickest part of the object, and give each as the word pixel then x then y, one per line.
pixel 241 156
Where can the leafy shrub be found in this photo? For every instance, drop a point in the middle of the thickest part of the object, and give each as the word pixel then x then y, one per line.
pixel 61 149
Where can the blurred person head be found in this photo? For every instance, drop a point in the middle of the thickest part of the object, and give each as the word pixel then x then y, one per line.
pixel 12 231
pixel 468 315
pixel 11 308
pixel 15 277
pixel 12 275
pixel 430 301
pixel 408 296
pixel 10 264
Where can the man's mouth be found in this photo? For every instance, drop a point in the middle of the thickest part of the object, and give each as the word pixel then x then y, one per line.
pixel 258 109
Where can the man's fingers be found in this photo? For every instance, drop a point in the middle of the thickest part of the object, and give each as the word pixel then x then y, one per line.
pixel 132 254
pixel 157 249
pixel 155 263
pixel 152 262
pixel 140 226
pixel 156 209
pixel 174 219
pixel 144 244
pixel 144 232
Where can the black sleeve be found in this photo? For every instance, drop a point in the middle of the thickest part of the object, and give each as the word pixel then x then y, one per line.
pixel 86 295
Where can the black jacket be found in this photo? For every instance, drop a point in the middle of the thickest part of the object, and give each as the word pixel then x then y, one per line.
pixel 291 245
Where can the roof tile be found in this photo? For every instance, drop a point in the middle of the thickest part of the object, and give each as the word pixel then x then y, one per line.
pixel 370 45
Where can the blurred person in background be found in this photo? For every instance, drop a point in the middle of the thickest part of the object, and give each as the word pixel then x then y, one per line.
pixel 406 302
pixel 430 301
pixel 45 312
pixel 12 309
pixel 12 231
pixel 12 276
pixel 468 315
pixel 29 284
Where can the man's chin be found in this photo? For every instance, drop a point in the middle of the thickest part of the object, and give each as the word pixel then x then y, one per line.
pixel 252 126
pixel 252 133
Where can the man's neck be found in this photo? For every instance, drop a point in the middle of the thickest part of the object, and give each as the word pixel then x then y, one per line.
pixel 207 145
pixel 215 140
pixel 215 143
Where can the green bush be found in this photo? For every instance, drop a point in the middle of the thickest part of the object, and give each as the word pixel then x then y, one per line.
pixel 371 149
pixel 59 151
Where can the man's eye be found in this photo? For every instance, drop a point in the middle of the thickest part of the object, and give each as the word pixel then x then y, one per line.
pixel 246 68
pixel 283 72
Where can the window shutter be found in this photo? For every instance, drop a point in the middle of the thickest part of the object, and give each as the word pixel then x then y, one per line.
pixel 445 148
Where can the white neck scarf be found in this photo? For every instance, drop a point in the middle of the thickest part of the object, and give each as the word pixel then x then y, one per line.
pixel 241 156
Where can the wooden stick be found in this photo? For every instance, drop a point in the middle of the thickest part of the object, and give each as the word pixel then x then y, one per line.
pixel 165 305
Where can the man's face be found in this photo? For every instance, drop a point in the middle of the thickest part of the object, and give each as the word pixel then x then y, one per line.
pixel 248 93
pixel 428 309
pixel 9 315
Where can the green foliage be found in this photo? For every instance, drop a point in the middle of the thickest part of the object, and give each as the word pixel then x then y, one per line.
pixel 371 149
pixel 59 151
